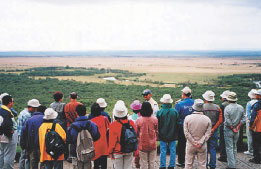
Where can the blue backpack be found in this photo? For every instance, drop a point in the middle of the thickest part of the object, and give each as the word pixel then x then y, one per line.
pixel 128 140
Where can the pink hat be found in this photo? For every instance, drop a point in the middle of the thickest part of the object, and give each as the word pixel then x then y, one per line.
pixel 135 105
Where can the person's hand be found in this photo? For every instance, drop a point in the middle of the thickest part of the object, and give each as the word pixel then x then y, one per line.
pixel 197 144
pixel 111 156
pixel 235 130
pixel 177 101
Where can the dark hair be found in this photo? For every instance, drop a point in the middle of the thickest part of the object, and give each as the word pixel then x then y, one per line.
pixel 136 111
pixel 73 95
pixel 120 118
pixel 102 109
pixel 231 101
pixel 7 99
pixel 188 94
pixel 57 96
pixel 146 109
pixel 81 110
pixel 41 109
pixel 95 109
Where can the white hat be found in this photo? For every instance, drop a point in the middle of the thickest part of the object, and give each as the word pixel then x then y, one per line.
pixel 186 90
pixel 251 94
pixel 232 97
pixel 50 114
pixel 120 109
pixel 3 95
pixel 225 94
pixel 101 102
pixel 198 105
pixel 166 99
pixel 209 95
pixel 33 103
pixel 258 92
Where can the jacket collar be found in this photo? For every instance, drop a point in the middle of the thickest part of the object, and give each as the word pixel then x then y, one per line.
pixel 166 106
pixel 196 112
pixel 82 118
pixel 37 113
pixel 7 109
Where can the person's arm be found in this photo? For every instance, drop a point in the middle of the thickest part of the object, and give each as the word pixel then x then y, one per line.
pixel 228 121
pixel 207 134
pixel 248 110
pixel 187 133
pixel 253 116
pixel 93 129
pixel 220 120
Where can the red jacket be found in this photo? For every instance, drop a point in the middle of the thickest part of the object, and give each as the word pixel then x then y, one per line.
pixel 147 132
pixel 101 146
pixel 115 135
pixel 70 112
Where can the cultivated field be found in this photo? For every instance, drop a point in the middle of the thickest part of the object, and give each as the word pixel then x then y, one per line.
pixel 167 70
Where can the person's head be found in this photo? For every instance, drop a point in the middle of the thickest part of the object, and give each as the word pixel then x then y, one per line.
pixel 232 97
pixel 50 114
pixel 81 110
pixel 209 96
pixel 95 109
pixel 41 109
pixel 198 105
pixel 224 95
pixel 147 94
pixel 8 101
pixel 251 94
pixel 101 103
pixel 146 109
pixel 58 96
pixel 166 99
pixel 2 95
pixel 33 104
pixel 136 106
pixel 186 93
pixel 73 95
pixel 120 111
pixel 258 94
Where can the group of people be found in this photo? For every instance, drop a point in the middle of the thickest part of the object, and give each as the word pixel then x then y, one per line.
pixel 192 123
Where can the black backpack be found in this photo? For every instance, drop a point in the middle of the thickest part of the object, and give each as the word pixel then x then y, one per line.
pixel 55 146
pixel 128 140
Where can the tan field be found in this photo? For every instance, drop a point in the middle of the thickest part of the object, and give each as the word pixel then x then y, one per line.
pixel 168 70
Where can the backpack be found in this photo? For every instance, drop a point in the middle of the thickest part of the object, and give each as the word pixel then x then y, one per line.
pixel 128 140
pixel 55 146
pixel 84 147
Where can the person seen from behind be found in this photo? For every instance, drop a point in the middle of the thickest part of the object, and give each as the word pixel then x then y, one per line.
pixel 234 119
pixel 255 127
pixel 197 129
pixel 136 107
pixel 101 146
pixel 167 121
pixel 120 158
pixel 48 120
pixel 102 103
pixel 81 123
pixel 147 132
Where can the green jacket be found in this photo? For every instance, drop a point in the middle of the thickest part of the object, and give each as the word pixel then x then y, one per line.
pixel 167 119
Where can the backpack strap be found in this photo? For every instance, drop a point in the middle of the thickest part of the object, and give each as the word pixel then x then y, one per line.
pixel 53 126
pixel 75 127
pixel 122 123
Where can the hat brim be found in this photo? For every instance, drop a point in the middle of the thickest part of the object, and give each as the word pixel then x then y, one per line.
pixel 51 117
pixel 103 105
pixel 120 114
pixel 208 99
pixel 162 100
pixel 233 100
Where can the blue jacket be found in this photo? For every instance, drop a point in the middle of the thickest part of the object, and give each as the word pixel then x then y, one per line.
pixel 30 132
pixel 81 122
pixel 184 108
pixel 90 116
pixel 256 107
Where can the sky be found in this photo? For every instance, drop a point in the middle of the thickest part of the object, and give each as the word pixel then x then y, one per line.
pixel 82 25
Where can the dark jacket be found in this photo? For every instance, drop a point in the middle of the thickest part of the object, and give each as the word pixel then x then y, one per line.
pixel 30 132
pixel 184 108
pixel 82 123
pixel 255 121
pixel 6 127
pixel 167 122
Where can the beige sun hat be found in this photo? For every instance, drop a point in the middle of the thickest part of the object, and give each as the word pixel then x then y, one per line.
pixel 232 97
pixel 34 103
pixel 209 96
pixel 186 90
pixel 251 94
pixel 50 114
pixel 101 102
pixel 225 94
pixel 198 105
pixel 120 109
pixel 166 99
